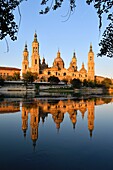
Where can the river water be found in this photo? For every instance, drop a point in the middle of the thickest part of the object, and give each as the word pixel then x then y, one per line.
pixel 56 134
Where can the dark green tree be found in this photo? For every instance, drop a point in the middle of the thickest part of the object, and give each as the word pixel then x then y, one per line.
pixel 102 7
pixel 1 81
pixel 16 76
pixel 29 77
pixel 76 83
pixel 85 83
pixel 9 78
pixel 106 82
pixel 8 25
pixel 53 79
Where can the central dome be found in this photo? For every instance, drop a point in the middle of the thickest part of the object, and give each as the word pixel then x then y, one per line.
pixel 58 61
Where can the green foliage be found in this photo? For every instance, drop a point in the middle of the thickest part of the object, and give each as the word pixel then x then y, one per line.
pixel 9 78
pixel 16 76
pixel 106 82
pixel 1 81
pixel 102 7
pixel 85 83
pixel 53 79
pixel 55 5
pixel 105 7
pixel 8 25
pixel 29 77
pixel 76 83
pixel 107 42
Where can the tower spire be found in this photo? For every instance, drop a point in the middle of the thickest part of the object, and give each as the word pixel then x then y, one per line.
pixel 74 54
pixel 25 49
pixel 90 47
pixel 35 37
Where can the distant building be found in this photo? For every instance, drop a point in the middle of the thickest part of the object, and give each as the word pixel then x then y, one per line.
pixel 58 69
pixel 8 71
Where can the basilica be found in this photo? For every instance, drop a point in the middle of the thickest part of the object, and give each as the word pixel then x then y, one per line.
pixel 58 68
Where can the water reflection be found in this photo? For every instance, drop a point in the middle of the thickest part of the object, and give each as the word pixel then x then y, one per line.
pixel 38 110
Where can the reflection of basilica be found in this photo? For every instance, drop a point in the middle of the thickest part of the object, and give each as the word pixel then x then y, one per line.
pixel 39 109
pixel 9 107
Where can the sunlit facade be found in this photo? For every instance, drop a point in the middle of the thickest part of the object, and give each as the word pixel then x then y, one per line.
pixel 58 69
pixel 8 71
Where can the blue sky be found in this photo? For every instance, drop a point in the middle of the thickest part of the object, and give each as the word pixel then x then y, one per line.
pixel 54 33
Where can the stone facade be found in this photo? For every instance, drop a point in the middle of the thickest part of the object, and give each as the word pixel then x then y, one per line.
pixel 8 71
pixel 58 69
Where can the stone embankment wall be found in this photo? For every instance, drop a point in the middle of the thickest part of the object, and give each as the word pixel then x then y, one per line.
pixel 17 87
pixel 89 90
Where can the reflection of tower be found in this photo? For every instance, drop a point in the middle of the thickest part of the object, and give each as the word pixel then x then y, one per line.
pixel 24 120
pixel 73 117
pixel 34 113
pixel 58 118
pixel 91 116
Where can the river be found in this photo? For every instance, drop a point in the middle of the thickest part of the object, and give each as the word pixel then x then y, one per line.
pixel 56 133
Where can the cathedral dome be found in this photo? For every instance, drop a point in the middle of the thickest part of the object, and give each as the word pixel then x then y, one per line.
pixel 58 62
pixel 83 70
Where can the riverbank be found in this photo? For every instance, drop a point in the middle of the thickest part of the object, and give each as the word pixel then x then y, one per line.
pixel 48 90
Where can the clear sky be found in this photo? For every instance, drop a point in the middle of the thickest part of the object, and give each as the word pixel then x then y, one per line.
pixel 54 33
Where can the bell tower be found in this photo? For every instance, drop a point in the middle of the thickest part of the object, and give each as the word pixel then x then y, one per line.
pixel 34 116
pixel 24 119
pixel 25 62
pixel 91 116
pixel 73 63
pixel 35 58
pixel 91 65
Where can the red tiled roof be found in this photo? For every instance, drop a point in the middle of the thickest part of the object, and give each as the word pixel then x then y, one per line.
pixel 10 68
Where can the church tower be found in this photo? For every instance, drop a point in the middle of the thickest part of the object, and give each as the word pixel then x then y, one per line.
pixel 25 62
pixel 35 58
pixel 73 63
pixel 34 120
pixel 91 64
pixel 24 119
pixel 91 117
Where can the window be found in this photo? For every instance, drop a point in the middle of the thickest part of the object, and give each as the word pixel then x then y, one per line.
pixel 34 119
pixel 25 66
pixel 35 61
pixel 49 73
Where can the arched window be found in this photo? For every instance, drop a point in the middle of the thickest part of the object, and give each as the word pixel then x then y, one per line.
pixel 25 66
pixel 35 61
pixel 49 72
